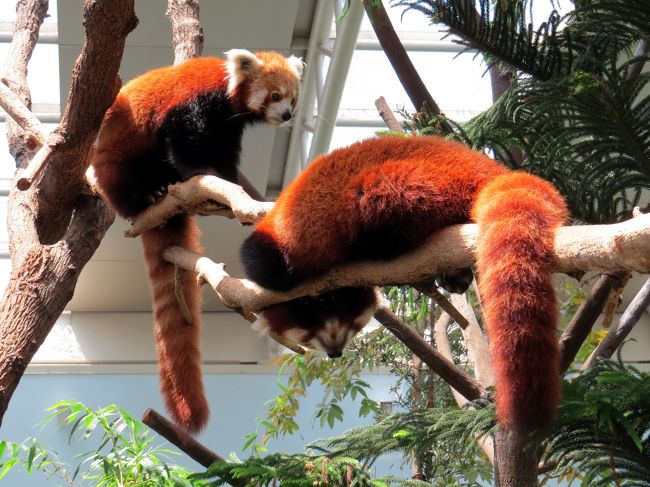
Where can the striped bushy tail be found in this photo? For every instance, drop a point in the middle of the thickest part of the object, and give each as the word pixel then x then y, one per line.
pixel 518 215
pixel 177 341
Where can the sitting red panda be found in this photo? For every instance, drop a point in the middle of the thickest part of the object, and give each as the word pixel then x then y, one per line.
pixel 169 125
pixel 380 198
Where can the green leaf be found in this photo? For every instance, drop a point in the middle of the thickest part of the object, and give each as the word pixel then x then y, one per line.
pixel 250 439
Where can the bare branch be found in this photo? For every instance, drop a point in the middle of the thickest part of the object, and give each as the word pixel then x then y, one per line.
pixel 25 177
pixel 598 247
pixel 29 17
pixel 439 364
pixel 199 195
pixel 431 291
pixel 442 344
pixel 628 320
pixel 187 33
pixel 41 285
pixel 16 109
pixel 615 298
pixel 45 272
pixel 94 85
pixel 584 318
pixel 179 278
pixel 399 59
pixel 186 443
pixel 475 342
pixel 387 115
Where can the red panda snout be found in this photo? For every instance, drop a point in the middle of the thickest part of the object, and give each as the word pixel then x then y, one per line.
pixel 335 334
pixel 325 323
pixel 280 112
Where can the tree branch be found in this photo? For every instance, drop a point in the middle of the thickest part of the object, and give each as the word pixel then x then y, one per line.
pixel 387 115
pixel 628 320
pixel 29 17
pixel 437 362
pixel 41 286
pixel 475 342
pixel 185 442
pixel 44 273
pixel 203 195
pixel 442 344
pixel 431 290
pixel 584 318
pixel 16 109
pixel 94 86
pixel 398 58
pixel 187 33
pixel 605 248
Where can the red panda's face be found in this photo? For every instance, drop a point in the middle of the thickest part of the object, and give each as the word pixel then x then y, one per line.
pixel 267 83
pixel 327 322
pixel 279 104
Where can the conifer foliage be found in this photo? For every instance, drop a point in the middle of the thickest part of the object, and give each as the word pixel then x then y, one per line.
pixel 577 108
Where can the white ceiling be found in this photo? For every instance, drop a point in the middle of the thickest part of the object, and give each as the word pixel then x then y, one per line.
pixel 115 279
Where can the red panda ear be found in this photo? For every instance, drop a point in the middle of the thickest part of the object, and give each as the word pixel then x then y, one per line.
pixel 297 64
pixel 240 64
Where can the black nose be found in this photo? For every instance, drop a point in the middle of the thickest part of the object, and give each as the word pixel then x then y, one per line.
pixel 334 354
pixel 286 116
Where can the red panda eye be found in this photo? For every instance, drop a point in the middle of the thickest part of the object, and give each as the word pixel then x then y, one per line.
pixel 275 96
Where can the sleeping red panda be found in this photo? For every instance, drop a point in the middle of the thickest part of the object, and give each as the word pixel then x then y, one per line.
pixel 169 125
pixel 382 197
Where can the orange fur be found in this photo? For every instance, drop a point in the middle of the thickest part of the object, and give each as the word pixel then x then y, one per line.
pixel 130 124
pixel 166 126
pixel 177 341
pixel 381 197
pixel 518 215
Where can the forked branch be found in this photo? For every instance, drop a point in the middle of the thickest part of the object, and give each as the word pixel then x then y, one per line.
pixel 205 195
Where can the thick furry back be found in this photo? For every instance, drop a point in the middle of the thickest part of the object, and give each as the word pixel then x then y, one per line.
pixel 518 215
pixel 177 341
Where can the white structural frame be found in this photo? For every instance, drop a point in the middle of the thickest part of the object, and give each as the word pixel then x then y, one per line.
pixel 321 92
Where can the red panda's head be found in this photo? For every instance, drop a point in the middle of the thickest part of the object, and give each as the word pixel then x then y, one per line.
pixel 266 83
pixel 326 322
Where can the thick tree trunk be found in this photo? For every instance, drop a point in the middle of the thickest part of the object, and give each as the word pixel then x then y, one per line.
pixel 517 457
pixel 41 287
pixel 55 223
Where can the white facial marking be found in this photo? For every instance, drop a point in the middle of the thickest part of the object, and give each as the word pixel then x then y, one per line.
pixel 275 111
pixel 256 100
pixel 364 317
pixel 294 335
pixel 333 335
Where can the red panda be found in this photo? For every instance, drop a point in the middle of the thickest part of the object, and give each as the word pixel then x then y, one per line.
pixel 166 126
pixel 380 198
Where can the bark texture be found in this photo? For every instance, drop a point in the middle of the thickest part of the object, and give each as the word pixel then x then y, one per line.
pixel 516 459
pixel 56 225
